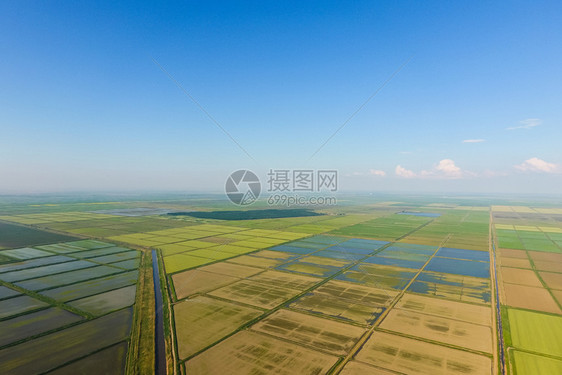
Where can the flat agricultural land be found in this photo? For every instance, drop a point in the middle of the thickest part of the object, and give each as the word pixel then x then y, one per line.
pixel 322 334
pixel 530 253
pixel 58 310
pixel 327 287
pixel 253 353
pixel 13 236
pixel 536 332
pixel 410 356
pixel 385 287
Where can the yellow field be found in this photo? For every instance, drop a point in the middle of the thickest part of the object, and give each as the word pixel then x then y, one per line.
pixel 254 293
pixel 196 281
pixel 504 226
pixel 549 211
pixel 202 321
pixel 447 309
pixel 358 368
pixel 551 229
pixel 285 279
pixel 346 301
pixel 410 356
pixel 252 353
pixel 526 363
pixel 230 269
pixel 172 249
pixel 435 328
pixel 56 217
pixel 180 262
pixel 323 334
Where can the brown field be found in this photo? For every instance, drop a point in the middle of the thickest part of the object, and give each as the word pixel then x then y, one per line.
pixel 358 368
pixel 308 268
pixel 528 297
pixel 229 269
pixel 410 356
pixel 265 296
pixel 446 309
pixel 322 334
pixel 249 260
pixel 558 295
pixel 515 262
pixel 511 253
pixel 202 321
pixel 273 254
pixel 549 257
pixel 520 277
pixel 553 280
pixel 449 331
pixel 544 265
pixel 285 279
pixel 252 353
pixel 196 281
pixel 346 301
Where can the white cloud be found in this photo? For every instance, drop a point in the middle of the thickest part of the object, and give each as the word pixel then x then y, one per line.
pixel 538 165
pixel 526 124
pixel 403 172
pixel 473 140
pixel 406 152
pixel 445 169
pixel 448 168
pixel 372 172
pixel 377 172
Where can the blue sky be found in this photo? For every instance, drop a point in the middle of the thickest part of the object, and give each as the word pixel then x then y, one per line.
pixel 84 107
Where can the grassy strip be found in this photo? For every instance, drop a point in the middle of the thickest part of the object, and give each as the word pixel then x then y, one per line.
pixel 140 359
pixel 497 318
pixel 172 365
pixel 42 298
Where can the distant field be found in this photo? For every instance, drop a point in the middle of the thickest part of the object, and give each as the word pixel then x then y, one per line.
pixel 249 214
pixel 12 236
